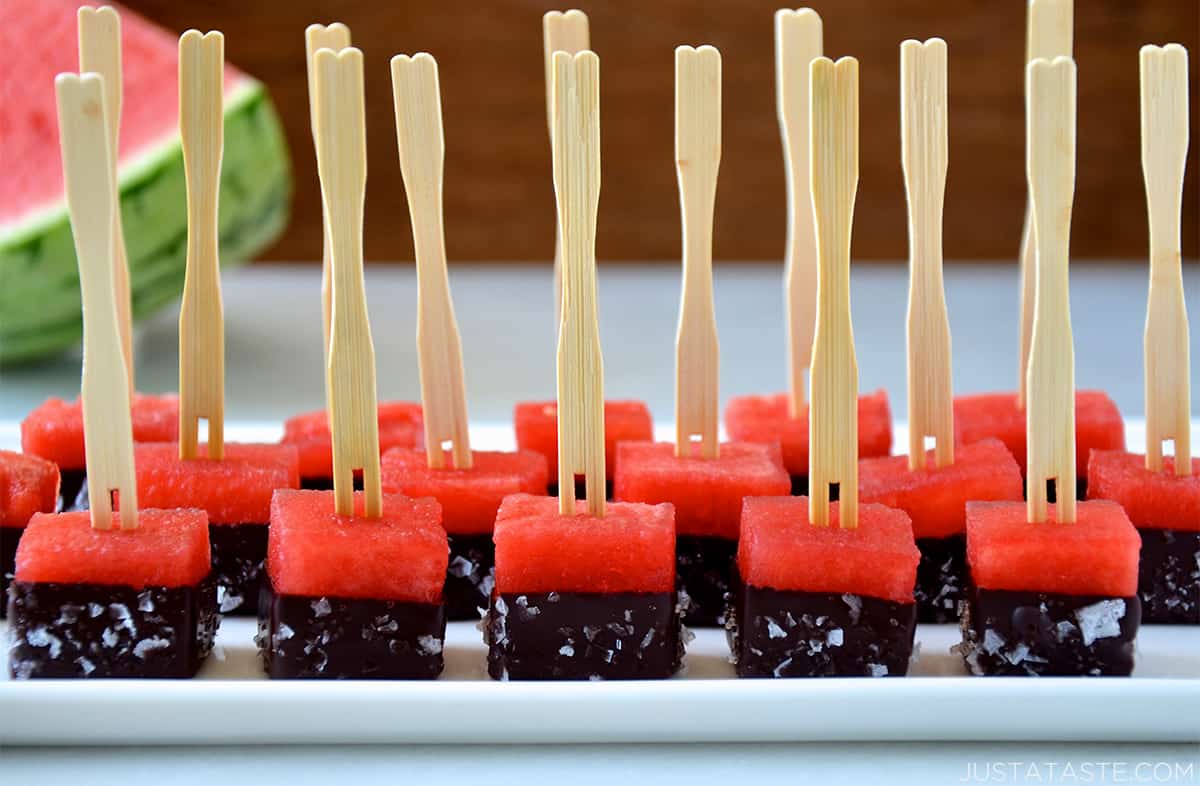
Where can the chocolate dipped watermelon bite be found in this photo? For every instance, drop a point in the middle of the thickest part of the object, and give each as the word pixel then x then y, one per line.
pixel 584 590
pixel 400 426
pixel 469 484
pixel 536 426
pixel 1053 587
pixel 933 486
pixel 88 600
pixel 355 579
pixel 231 483
pixel 1161 494
pixel 28 485
pixel 705 481
pixel 826 588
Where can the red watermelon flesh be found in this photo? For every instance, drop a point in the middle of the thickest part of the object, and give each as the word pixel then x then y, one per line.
pixel 54 430
pixel 780 549
pixel 149 107
pixel 1098 424
pixel 235 490
pixel 1097 555
pixel 28 485
pixel 707 493
pixel 536 424
pixel 631 549
pixel 935 498
pixel 1152 500
pixel 469 497
pixel 766 419
pixel 401 425
pixel 313 551
pixel 169 548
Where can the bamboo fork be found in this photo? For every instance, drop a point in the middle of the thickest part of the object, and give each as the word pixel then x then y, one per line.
pixel 439 348
pixel 100 53
pixel 350 372
pixel 88 172
pixel 1164 92
pixel 335 37
pixel 580 364
pixel 923 142
pixel 562 31
pixel 1050 167
pixel 833 414
pixel 697 161
pixel 797 43
pixel 201 315
pixel 1048 34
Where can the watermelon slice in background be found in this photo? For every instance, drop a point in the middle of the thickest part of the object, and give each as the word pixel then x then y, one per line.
pixel 39 283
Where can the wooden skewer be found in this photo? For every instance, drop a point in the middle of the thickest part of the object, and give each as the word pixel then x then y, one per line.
pixel 923 139
pixel 1048 34
pixel 439 348
pixel 580 364
pixel 201 315
pixel 350 374
pixel 562 31
pixel 697 161
pixel 107 424
pixel 833 415
pixel 100 53
pixel 797 43
pixel 336 37
pixel 1050 168
pixel 1164 78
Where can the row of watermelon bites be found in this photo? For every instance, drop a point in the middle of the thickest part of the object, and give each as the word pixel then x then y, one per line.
pixel 689 540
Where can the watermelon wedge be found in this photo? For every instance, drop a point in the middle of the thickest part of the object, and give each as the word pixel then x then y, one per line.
pixel 39 283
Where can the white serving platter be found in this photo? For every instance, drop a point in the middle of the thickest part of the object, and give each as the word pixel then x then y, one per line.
pixel 230 701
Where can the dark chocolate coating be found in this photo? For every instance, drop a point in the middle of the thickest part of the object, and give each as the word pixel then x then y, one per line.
pixel 238 554
pixel 317 484
pixel 800 486
pixel 583 635
pixel 102 630
pixel 790 633
pixel 703 576
pixel 581 489
pixel 1169 576
pixel 72 490
pixel 942 578
pixel 1011 633
pixel 470 576
pixel 317 637
pixel 1052 490
pixel 9 538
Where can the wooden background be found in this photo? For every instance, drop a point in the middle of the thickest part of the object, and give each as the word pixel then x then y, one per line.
pixel 499 196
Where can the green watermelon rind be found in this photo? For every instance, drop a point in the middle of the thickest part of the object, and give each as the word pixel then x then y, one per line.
pixel 39 278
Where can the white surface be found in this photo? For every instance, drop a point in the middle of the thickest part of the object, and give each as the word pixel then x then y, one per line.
pixel 232 702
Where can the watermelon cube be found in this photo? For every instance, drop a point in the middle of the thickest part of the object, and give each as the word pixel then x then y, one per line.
pixel 1050 598
pixel 1098 425
pixel 1165 509
pixel 112 603
pixel 823 601
pixel 469 499
pixel 352 597
pixel 536 425
pixel 54 431
pixel 401 425
pixel 236 494
pixel 935 498
pixel 28 485
pixel 580 597
pixel 707 495
pixel 765 419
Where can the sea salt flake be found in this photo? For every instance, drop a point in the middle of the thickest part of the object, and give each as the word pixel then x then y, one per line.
pixel 878 670
pixel 855 604
pixel 993 642
pixel 228 601
pixel 647 638
pixel 150 644
pixel 783 664
pixel 566 651
pixel 95 610
pixel 835 637
pixel 284 632
pixel 1100 620
pixel 321 607
pixel 145 601
pixel 110 637
pixel 552 597
pixel 773 629
pixel 1064 630
pixel 85 665
pixel 486 585
pixel 40 636
pixel 460 567
pixel 430 645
